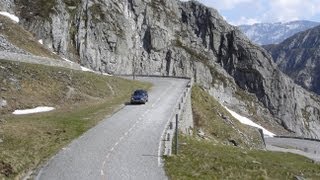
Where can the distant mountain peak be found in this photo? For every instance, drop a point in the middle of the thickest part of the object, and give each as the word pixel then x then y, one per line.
pixel 298 57
pixel 275 33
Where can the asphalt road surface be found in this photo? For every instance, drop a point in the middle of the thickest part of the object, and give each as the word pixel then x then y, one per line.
pixel 124 146
pixel 310 149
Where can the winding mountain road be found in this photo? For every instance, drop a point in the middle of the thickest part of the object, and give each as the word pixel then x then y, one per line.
pixel 127 145
pixel 124 146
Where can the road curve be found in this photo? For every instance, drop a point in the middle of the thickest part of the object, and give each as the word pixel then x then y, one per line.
pixel 124 146
pixel 310 149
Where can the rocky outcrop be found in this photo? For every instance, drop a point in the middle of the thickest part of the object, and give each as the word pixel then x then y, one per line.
pixel 298 57
pixel 7 5
pixel 275 33
pixel 169 37
pixel 6 46
pixel 15 39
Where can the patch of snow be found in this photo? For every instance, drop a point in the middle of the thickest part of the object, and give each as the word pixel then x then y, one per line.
pixel 68 60
pixel 34 110
pixel 40 41
pixel 96 72
pixel 86 69
pixel 2 67
pixel 247 121
pixel 106 74
pixel 293 26
pixel 11 16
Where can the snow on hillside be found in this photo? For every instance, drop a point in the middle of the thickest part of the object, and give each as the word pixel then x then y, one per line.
pixel 247 121
pixel 34 110
pixel 87 69
pixel 11 16
pixel 274 33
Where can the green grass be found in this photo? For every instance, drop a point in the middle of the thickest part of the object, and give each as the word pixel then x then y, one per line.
pixel 215 158
pixel 23 39
pixel 203 160
pixel 218 124
pixel 29 140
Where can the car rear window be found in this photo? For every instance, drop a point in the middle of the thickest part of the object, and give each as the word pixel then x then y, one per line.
pixel 139 92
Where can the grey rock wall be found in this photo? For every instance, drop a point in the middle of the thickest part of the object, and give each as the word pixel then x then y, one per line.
pixel 298 57
pixel 7 6
pixel 6 46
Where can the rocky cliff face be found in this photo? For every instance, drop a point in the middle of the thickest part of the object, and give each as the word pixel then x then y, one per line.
pixel 298 57
pixel 275 33
pixel 168 37
pixel 7 5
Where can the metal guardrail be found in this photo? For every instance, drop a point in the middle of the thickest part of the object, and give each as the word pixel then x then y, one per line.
pixel 151 75
pixel 295 137
pixel 170 134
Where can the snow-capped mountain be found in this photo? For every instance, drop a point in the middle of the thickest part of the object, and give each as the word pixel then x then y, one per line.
pixel 274 33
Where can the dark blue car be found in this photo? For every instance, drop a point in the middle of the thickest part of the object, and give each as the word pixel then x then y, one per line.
pixel 139 96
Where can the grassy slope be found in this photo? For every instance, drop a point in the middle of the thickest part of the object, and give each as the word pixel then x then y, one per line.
pixel 23 39
pixel 203 160
pixel 218 124
pixel 212 159
pixel 28 140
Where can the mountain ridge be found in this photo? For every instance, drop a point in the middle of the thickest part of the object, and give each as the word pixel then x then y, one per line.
pixel 297 56
pixel 275 33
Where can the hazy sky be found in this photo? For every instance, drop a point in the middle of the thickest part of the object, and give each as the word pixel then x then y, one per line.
pixel 251 11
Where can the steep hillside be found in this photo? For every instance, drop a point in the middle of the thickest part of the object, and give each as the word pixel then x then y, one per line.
pixel 219 126
pixel 200 159
pixel 27 86
pixel 13 38
pixel 169 37
pixel 274 33
pixel 298 56
pixel 80 99
pixel 215 154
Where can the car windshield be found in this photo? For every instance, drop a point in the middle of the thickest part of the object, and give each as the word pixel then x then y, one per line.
pixel 138 93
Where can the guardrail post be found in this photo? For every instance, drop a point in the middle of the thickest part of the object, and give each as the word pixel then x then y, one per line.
pixel 176 134
pixel 262 136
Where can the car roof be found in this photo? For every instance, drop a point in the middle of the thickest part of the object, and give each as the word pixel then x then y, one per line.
pixel 140 90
